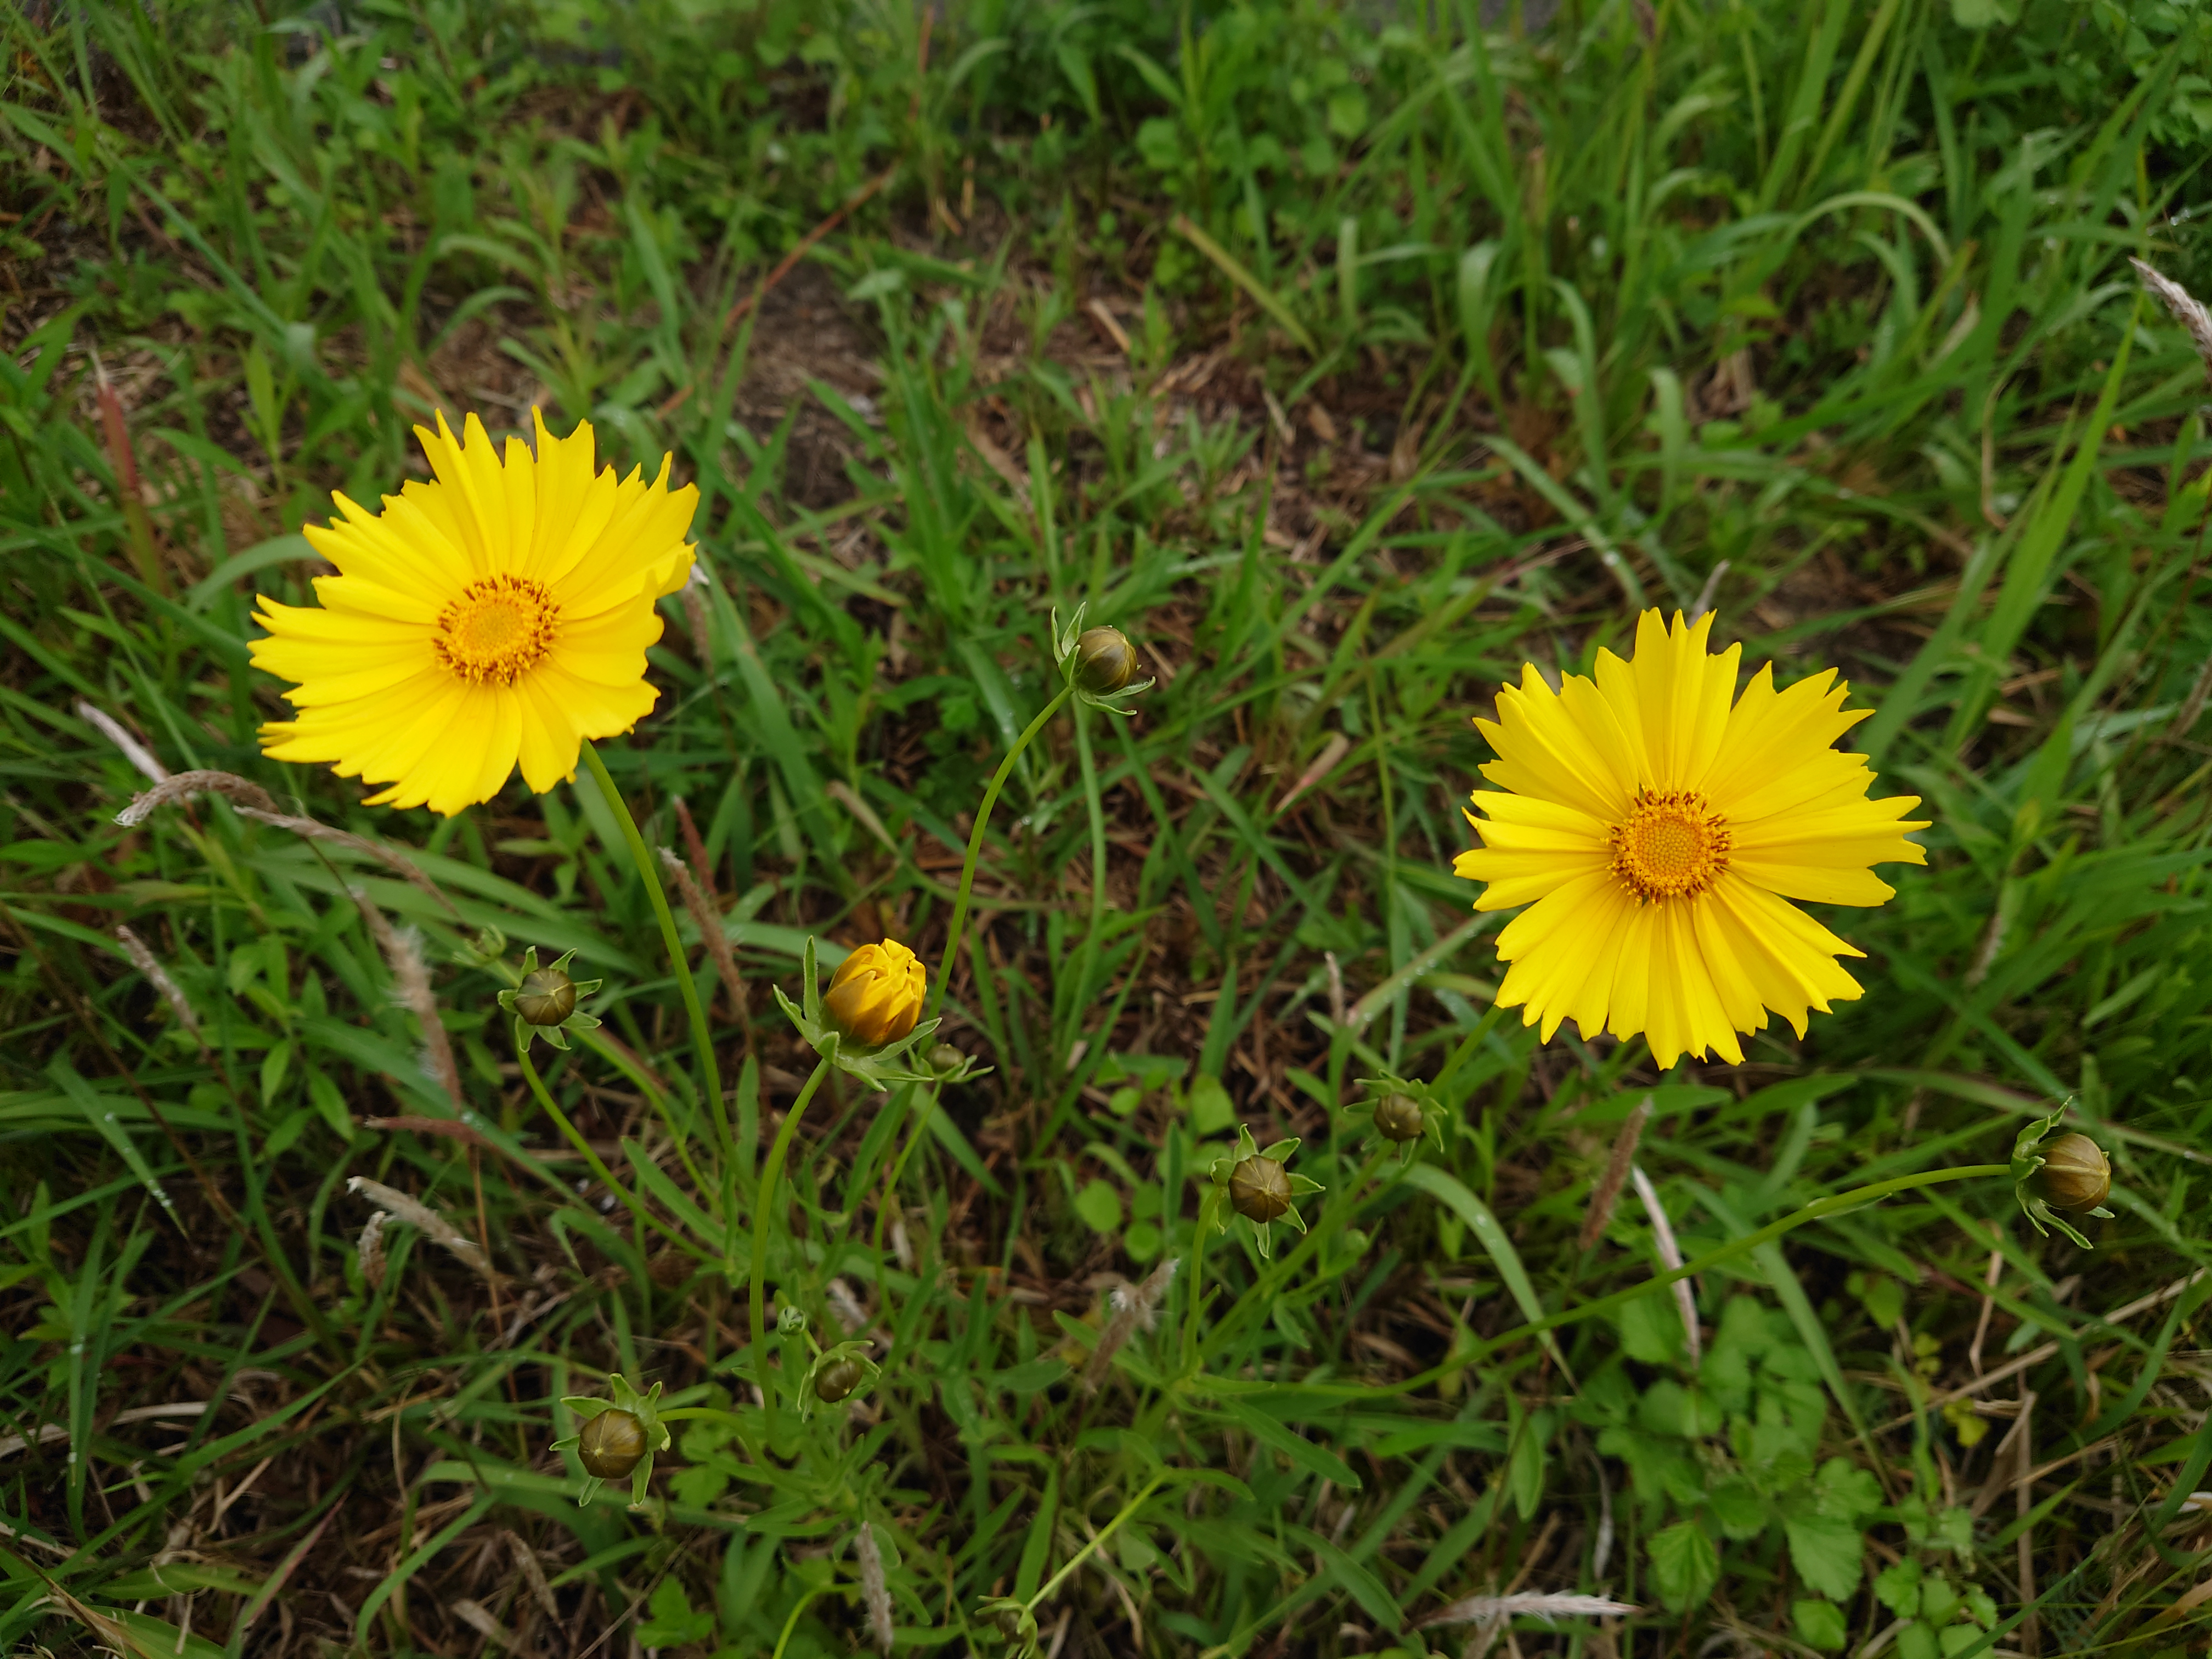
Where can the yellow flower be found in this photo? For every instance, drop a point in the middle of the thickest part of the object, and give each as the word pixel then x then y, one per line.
pixel 498 615
pixel 1658 834
pixel 875 996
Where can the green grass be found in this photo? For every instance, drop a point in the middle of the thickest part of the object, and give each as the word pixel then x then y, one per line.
pixel 1345 361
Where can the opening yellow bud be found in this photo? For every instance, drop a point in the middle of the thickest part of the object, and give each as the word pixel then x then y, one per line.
pixel 875 996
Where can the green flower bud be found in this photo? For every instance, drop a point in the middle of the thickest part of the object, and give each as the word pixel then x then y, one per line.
pixel 837 1380
pixel 546 997
pixel 945 1057
pixel 2075 1175
pixel 1105 661
pixel 790 1320
pixel 611 1444
pixel 1399 1117
pixel 1260 1190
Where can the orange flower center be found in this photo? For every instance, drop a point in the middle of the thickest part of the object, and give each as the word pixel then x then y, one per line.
pixel 497 629
pixel 1672 845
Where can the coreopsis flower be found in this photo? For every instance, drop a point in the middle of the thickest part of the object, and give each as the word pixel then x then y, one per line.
pixel 494 617
pixel 1657 827
pixel 876 995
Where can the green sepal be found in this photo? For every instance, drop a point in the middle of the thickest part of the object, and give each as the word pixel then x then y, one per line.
pixel 524 1032
pixel 2027 1162
pixel 854 1349
pixel 1435 1119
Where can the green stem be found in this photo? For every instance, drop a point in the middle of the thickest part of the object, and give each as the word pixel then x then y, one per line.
pixel 1091 798
pixel 898 1169
pixel 791 1624
pixel 952 936
pixel 1819 1209
pixel 1330 1218
pixel 764 1211
pixel 975 850
pixel 1104 1533
pixel 703 1037
pixel 599 1170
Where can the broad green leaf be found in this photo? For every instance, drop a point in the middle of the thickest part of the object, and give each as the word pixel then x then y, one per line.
pixel 1684 1564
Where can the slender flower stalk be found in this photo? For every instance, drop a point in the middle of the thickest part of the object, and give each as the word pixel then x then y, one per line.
pixel 1857 1197
pixel 1263 1289
pixel 703 1036
pixel 952 934
pixel 600 1173
pixel 763 1212
pixel 1016 1621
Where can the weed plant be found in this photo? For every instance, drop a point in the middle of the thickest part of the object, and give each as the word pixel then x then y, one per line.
pixel 1344 359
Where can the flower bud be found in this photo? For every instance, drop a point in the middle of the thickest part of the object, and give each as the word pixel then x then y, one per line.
pixel 546 997
pixel 837 1380
pixel 790 1320
pixel 875 996
pixel 1398 1117
pixel 945 1057
pixel 611 1444
pixel 1260 1190
pixel 2075 1174
pixel 1105 661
